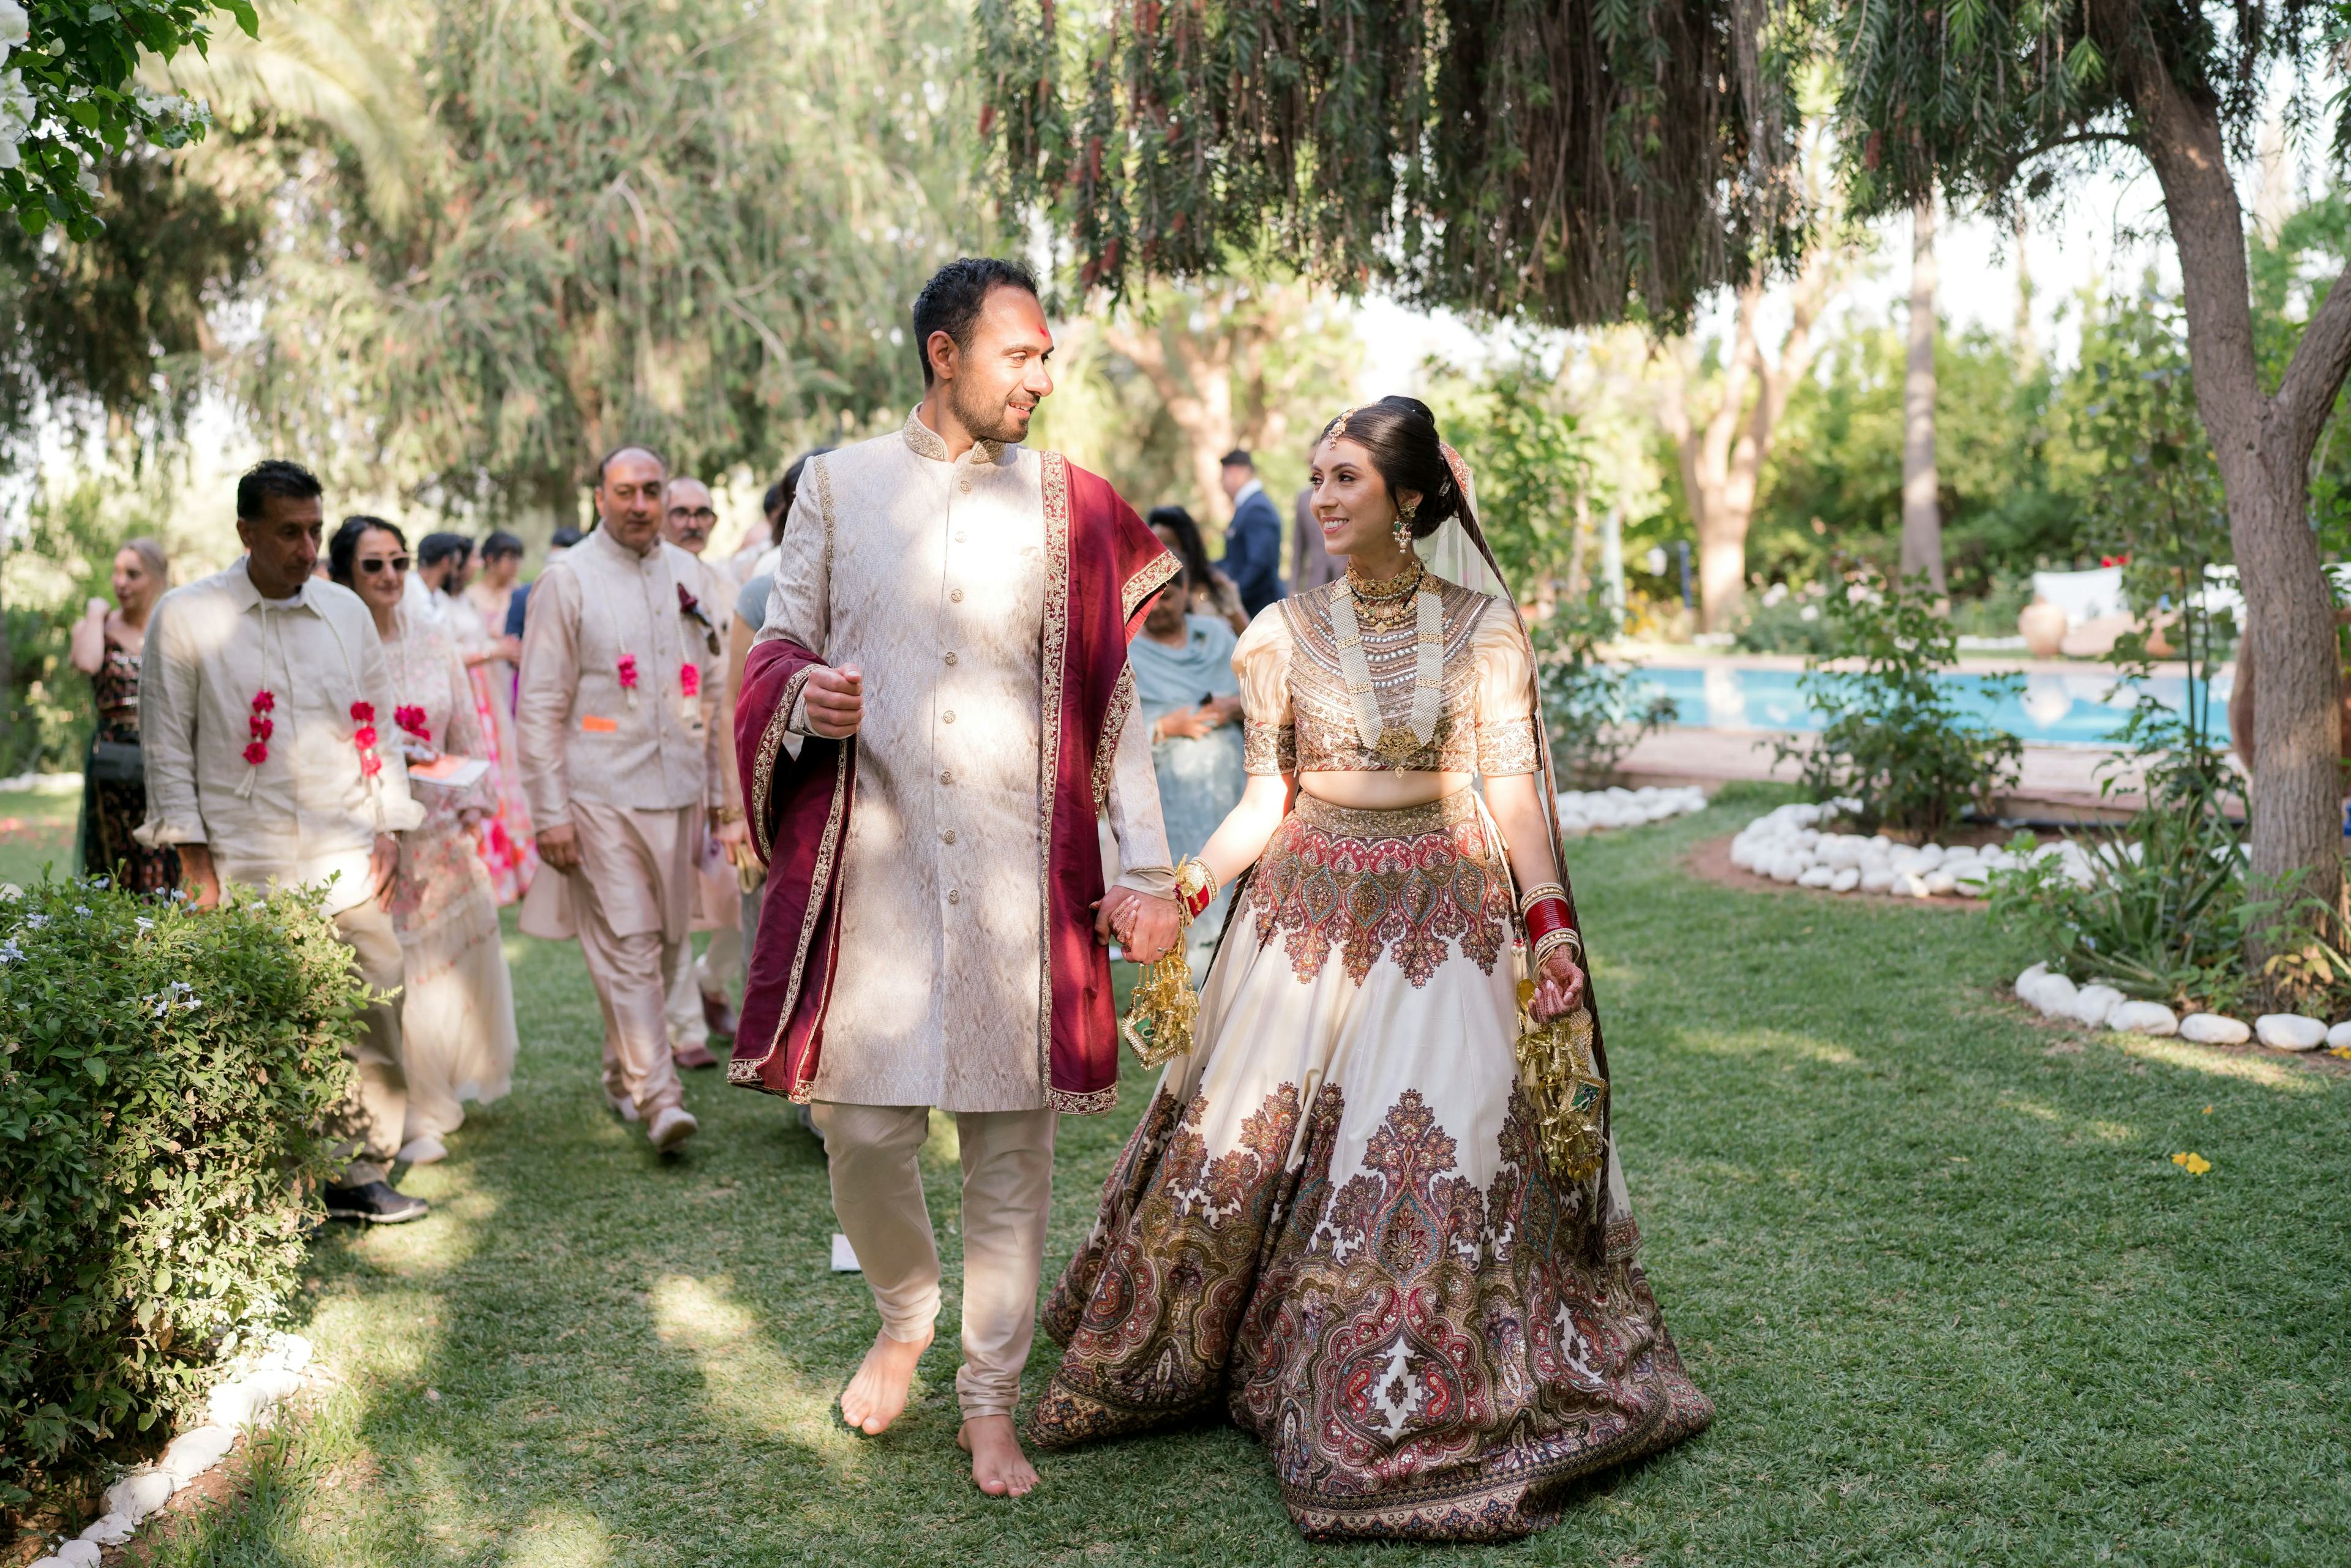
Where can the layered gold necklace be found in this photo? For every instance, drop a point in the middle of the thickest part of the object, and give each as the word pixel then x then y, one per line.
pixel 1384 606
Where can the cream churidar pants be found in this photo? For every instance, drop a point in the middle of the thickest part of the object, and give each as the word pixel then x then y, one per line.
pixel 1007 1187
pixel 629 899
pixel 369 1122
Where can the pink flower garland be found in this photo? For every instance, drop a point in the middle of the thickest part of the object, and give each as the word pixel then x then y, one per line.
pixel 411 717
pixel 364 738
pixel 261 727
pixel 689 679
pixel 625 667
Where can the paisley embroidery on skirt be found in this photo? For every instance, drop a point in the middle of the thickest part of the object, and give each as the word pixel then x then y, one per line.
pixel 1425 1358
pixel 1367 883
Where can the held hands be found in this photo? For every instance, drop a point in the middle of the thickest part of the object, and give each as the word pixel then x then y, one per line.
pixel 1559 986
pixel 836 701
pixel 559 847
pixel 734 840
pixel 1145 926
pixel 1187 723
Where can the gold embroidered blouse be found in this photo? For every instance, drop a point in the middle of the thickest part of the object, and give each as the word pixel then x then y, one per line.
pixel 1294 697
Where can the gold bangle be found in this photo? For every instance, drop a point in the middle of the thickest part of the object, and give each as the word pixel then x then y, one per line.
pixel 1195 887
pixel 1540 892
pixel 1551 942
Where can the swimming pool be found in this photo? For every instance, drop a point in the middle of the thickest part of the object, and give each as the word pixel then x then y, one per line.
pixel 2053 709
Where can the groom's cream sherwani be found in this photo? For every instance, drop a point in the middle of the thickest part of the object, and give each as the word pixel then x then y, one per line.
pixel 929 575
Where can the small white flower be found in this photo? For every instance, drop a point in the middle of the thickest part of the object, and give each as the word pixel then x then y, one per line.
pixel 144 923
pixel 81 909
pixel 9 952
pixel 15 26
pixel 35 922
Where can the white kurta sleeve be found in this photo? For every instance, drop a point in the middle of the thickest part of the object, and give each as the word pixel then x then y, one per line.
pixel 169 685
pixel 1143 863
pixel 550 674
pixel 799 603
pixel 396 811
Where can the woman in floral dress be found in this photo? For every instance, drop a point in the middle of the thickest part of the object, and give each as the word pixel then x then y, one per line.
pixel 508 850
pixel 457 1015
pixel 107 643
pixel 1338 1217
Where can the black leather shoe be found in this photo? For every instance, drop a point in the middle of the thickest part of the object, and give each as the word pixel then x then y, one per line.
pixel 374 1203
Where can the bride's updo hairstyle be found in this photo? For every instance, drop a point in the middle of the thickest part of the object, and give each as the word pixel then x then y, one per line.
pixel 1400 434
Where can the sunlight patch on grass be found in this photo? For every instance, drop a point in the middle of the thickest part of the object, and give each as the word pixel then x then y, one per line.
pixel 1771 1042
pixel 744 1373
pixel 2105 1132
pixel 389 1333
pixel 560 1539
pixel 2219 1064
pixel 945 1143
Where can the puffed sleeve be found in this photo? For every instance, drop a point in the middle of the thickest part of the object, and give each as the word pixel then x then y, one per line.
pixel 1506 695
pixel 1261 662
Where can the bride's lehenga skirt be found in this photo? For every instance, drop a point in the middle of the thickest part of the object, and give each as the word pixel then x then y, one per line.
pixel 1335 1217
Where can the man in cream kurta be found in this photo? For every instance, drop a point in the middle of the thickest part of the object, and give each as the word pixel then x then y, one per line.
pixel 616 719
pixel 922 569
pixel 256 790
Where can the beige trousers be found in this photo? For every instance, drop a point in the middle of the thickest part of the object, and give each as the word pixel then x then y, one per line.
pixel 1008 1188
pixel 628 901
pixel 368 1122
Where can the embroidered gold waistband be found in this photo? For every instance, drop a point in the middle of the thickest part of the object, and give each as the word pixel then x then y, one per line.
pixel 1401 823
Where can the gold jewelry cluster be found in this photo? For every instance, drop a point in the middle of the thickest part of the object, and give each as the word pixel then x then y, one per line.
pixel 1559 1073
pixel 1162 1012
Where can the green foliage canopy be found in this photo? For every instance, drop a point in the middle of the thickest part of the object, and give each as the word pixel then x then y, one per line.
pixel 1564 162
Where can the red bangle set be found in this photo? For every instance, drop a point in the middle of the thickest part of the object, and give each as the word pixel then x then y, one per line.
pixel 1546 916
pixel 1198 899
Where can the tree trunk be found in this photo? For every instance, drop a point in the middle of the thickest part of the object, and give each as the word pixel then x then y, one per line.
pixel 1922 511
pixel 2262 444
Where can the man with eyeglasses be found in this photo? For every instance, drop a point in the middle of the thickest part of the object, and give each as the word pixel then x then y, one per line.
pixel 618 723
pixel 700 1002
pixel 250 688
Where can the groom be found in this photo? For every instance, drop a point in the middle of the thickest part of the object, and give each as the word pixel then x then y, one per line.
pixel 932 715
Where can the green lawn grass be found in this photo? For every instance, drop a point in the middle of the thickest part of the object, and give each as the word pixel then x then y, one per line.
pixel 1932 1258
pixel 42 834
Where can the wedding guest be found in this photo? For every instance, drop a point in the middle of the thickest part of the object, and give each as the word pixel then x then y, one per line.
pixel 621 671
pixel 104 646
pixel 1212 593
pixel 505 838
pixel 456 1012
pixel 1185 689
pixel 261 691
pixel 491 594
pixel 1253 541
pixel 556 547
pixel 701 1008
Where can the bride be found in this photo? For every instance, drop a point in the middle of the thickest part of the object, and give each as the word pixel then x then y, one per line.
pixel 1337 1215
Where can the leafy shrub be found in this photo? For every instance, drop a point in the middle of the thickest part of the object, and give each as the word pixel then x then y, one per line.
pixel 1893 739
pixel 1783 621
pixel 1589 708
pixel 163 1075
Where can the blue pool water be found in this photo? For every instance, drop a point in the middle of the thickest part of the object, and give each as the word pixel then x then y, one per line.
pixel 2052 710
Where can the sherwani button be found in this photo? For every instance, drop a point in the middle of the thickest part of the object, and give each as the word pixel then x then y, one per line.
pixel 966 487
pixel 951 658
pixel 955 595
pixel 947 837
pixel 947 718
pixel 947 775
pixel 955 895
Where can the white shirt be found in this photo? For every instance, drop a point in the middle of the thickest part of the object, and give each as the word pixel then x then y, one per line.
pixel 306 813
pixel 1254 487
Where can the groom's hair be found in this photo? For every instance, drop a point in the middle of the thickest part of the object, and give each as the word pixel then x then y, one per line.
pixel 951 301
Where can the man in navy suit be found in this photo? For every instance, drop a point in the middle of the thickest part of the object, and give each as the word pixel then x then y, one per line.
pixel 1253 542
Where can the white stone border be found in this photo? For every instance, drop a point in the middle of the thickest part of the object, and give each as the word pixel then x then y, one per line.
pixel 244 1401
pixel 1581 811
pixel 2054 996
pixel 1787 845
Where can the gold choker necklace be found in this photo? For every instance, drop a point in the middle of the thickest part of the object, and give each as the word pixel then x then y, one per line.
pixel 1400 586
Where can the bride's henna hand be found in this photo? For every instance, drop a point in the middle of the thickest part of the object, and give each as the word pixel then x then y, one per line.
pixel 1559 987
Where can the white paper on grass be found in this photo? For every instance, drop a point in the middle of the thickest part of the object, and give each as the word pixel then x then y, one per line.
pixel 845 1256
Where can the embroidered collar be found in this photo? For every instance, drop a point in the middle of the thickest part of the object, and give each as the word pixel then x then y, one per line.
pixel 928 443
pixel 246 596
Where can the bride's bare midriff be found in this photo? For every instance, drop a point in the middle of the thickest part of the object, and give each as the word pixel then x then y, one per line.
pixel 1381 791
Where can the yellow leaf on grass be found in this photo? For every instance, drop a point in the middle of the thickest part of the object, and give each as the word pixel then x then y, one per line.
pixel 2195 1164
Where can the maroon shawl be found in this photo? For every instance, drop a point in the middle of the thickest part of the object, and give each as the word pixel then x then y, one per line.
pixel 1102 565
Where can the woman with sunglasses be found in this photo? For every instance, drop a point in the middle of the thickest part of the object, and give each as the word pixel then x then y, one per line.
pixel 457 1010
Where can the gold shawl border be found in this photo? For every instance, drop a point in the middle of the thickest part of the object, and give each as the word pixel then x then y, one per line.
pixel 1146 582
pixel 763 765
pixel 828 846
pixel 1054 485
pixel 1121 704
pixel 1071 1103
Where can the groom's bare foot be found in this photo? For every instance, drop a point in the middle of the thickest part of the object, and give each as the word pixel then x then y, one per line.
pixel 998 1468
pixel 877 1395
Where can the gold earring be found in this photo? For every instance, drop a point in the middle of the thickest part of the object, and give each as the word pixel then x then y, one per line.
pixel 1404 527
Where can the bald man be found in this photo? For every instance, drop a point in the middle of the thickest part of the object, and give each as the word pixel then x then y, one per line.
pixel 700 1003
pixel 618 719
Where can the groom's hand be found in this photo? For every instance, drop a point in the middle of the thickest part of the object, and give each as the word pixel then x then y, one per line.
pixel 836 702
pixel 1146 927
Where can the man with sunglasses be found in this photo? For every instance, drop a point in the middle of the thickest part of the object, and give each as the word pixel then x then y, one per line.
pixel 701 1013
pixel 248 712
pixel 619 740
